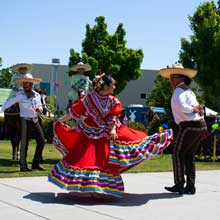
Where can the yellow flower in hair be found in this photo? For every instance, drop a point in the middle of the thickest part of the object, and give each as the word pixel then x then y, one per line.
pixel 98 81
pixel 99 77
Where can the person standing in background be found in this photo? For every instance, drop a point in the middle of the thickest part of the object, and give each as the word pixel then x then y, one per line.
pixel 79 83
pixel 189 115
pixel 12 114
pixel 43 94
pixel 153 121
pixel 30 106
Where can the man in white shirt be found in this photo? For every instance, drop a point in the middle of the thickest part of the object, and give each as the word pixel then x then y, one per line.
pixel 189 115
pixel 12 114
pixel 30 104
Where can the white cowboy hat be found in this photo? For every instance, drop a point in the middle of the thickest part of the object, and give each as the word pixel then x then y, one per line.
pixel 16 67
pixel 27 78
pixel 177 69
pixel 86 67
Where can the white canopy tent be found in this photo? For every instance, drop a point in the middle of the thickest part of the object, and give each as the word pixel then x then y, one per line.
pixel 210 112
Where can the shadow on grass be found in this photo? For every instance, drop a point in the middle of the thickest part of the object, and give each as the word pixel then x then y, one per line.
pixel 50 161
pixel 8 172
pixel 9 166
pixel 8 162
pixel 128 199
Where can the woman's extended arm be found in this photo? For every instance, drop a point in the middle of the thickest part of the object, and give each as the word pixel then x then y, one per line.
pixel 64 118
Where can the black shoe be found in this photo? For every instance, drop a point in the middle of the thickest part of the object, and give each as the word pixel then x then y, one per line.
pixel 25 169
pixel 176 188
pixel 189 190
pixel 37 167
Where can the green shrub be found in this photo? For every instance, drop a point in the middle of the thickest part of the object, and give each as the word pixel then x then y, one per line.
pixel 137 125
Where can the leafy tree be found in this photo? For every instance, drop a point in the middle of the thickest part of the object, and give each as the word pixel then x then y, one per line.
pixel 5 76
pixel 108 53
pixel 202 51
pixel 161 95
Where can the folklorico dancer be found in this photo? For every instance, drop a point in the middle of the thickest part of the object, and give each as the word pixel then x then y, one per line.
pixel 100 148
pixel 189 115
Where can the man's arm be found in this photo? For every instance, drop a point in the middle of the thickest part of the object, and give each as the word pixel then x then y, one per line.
pixel 11 102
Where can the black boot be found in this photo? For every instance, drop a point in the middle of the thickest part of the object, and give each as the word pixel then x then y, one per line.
pixel 176 188
pixel 189 189
pixel 24 169
pixel 37 167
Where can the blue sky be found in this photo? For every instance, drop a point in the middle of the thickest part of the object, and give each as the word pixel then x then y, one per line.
pixel 35 31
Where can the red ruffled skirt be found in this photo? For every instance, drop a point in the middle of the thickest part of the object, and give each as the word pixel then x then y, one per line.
pixel 93 166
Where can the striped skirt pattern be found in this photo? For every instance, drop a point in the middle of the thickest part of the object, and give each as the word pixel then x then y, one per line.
pixel 87 181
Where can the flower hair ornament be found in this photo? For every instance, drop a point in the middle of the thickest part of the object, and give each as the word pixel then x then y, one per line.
pixel 98 81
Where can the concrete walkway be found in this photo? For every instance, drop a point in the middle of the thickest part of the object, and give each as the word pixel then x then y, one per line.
pixel 145 198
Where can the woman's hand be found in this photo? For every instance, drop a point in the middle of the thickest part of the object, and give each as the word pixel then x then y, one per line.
pixel 61 120
pixel 113 135
pixel 64 118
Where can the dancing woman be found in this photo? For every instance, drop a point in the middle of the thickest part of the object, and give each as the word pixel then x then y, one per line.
pixel 100 148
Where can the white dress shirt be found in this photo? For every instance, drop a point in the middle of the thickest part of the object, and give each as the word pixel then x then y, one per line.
pixel 27 105
pixel 182 103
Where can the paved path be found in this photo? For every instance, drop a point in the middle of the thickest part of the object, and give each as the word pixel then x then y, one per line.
pixel 145 198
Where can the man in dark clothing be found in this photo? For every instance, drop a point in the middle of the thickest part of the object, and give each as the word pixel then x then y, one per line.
pixel 189 115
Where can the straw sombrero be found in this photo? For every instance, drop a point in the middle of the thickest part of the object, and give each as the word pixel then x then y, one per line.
pixel 27 78
pixel 16 67
pixel 177 69
pixel 86 67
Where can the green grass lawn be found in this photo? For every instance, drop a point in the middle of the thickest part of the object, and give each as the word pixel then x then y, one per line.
pixel 10 168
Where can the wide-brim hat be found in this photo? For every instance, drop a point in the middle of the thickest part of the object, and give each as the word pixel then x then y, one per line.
pixel 27 78
pixel 16 67
pixel 177 69
pixel 86 67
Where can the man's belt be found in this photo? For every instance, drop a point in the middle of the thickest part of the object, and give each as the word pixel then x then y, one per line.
pixel 34 119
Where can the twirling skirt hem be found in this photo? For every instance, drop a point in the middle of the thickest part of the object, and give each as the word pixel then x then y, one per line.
pixel 89 182
pixel 128 156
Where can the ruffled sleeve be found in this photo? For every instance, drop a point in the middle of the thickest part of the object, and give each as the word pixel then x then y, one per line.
pixel 114 113
pixel 77 110
pixel 117 108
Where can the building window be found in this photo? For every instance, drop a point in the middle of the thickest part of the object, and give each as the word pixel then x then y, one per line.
pixel 143 95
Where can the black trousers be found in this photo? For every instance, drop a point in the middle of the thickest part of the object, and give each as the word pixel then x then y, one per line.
pixel 13 126
pixel 28 126
pixel 186 144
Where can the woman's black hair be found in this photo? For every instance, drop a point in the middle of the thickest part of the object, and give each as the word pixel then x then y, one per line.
pixel 107 80
pixel 187 80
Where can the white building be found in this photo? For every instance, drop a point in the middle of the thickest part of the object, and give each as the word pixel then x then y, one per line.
pixel 57 82
pixel 137 91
